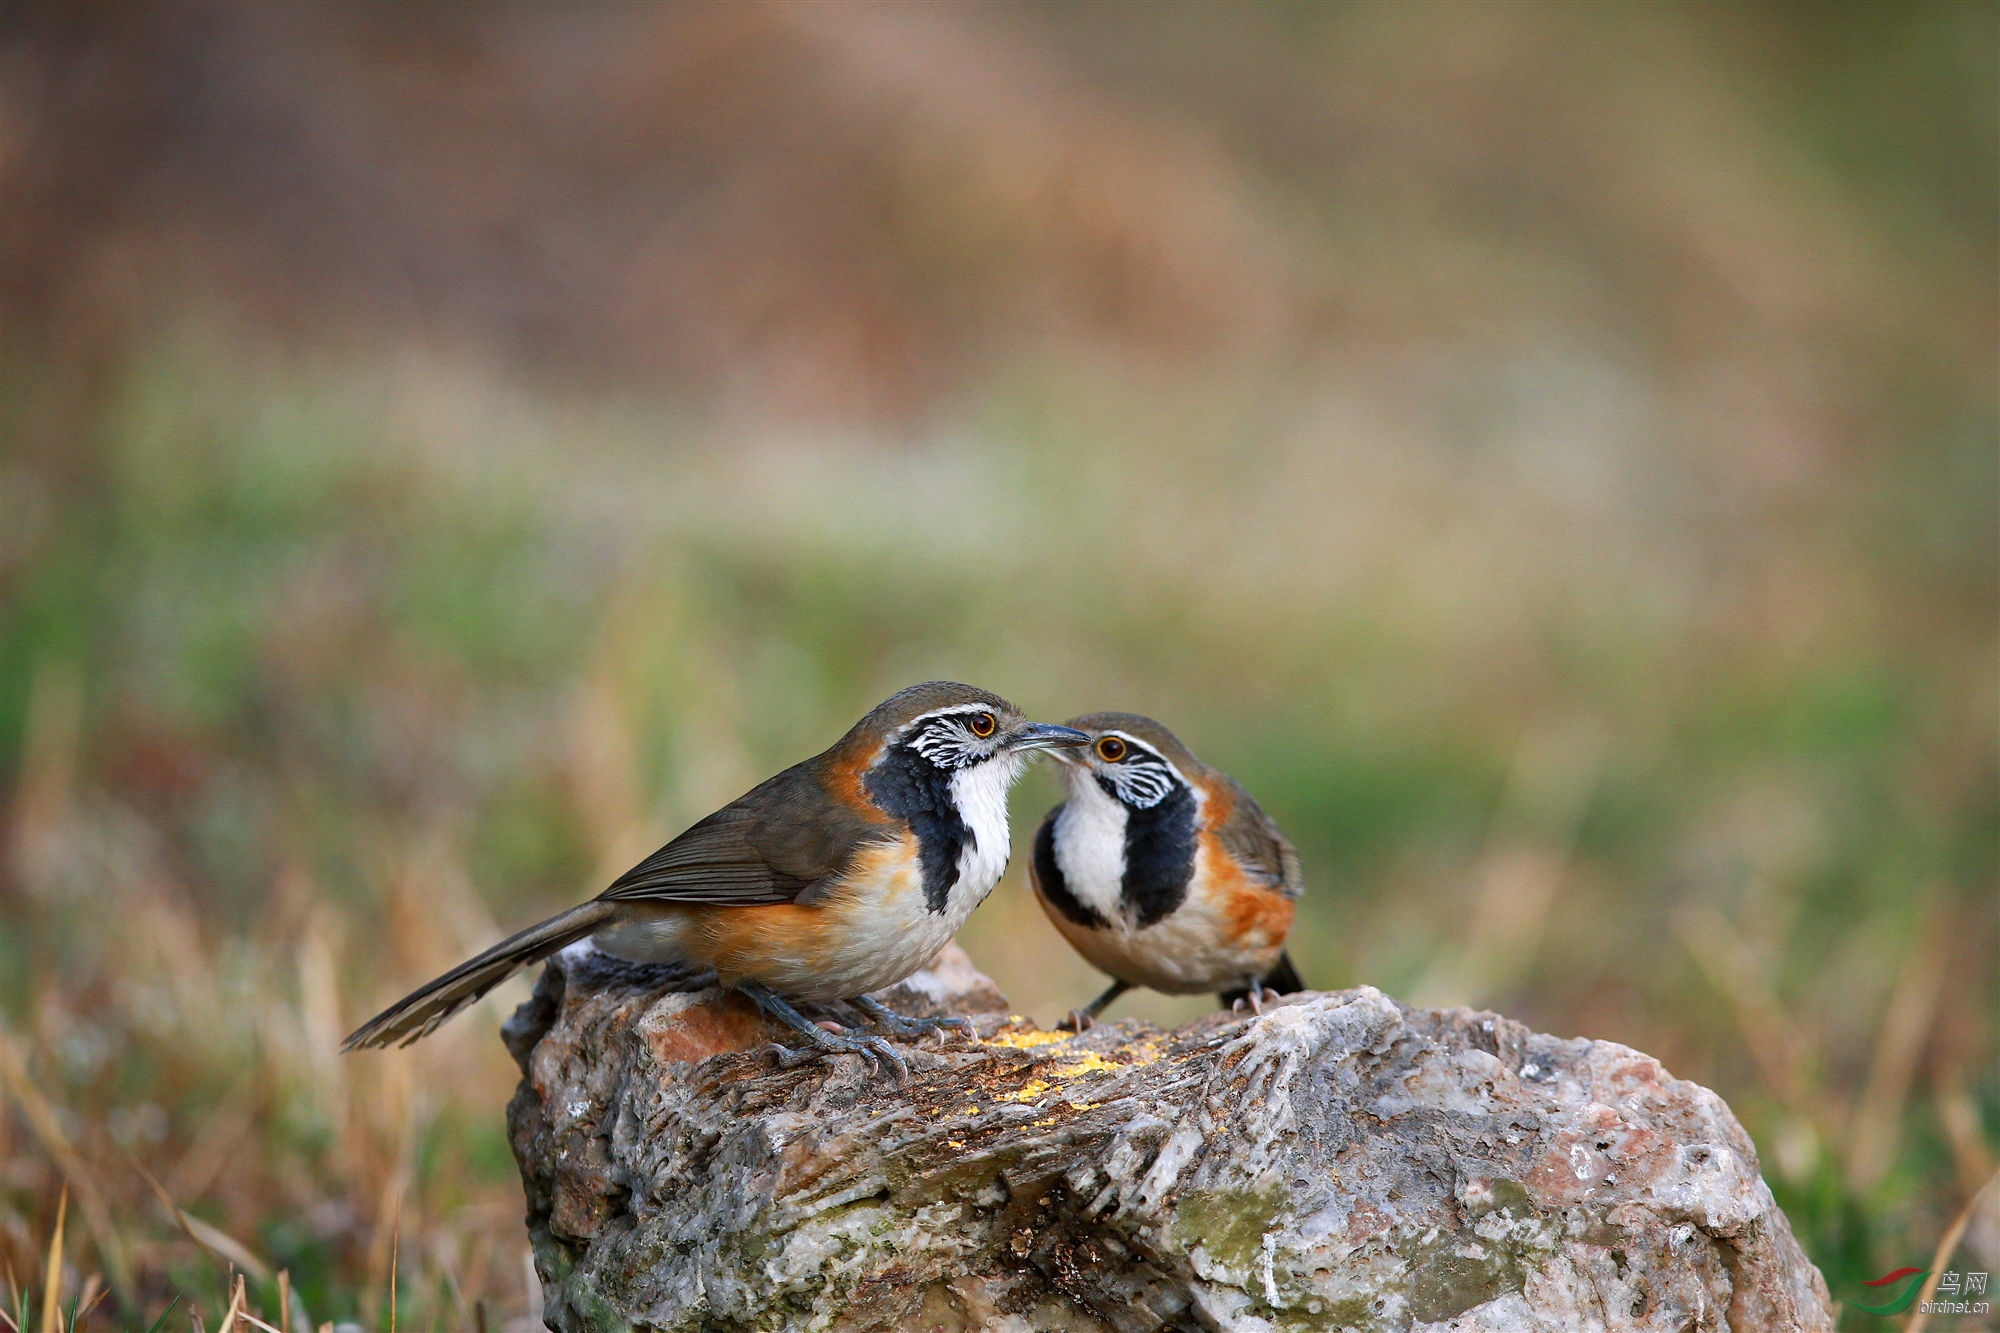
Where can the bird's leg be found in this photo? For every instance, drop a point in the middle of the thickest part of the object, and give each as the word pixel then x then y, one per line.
pixel 820 1044
pixel 1254 997
pixel 882 1016
pixel 1084 1019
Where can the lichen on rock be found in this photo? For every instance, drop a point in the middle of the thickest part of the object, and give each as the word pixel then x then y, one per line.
pixel 1339 1162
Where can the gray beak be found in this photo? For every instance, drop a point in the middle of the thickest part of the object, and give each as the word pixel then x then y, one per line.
pixel 1045 736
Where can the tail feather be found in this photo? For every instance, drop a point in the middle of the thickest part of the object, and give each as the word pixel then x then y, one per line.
pixel 419 1013
pixel 1282 979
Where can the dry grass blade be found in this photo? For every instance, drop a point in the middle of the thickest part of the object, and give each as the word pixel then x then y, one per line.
pixel 235 1310
pixel 52 1278
pixel 211 1238
pixel 1775 1041
pixel 42 1118
pixel 222 1135
pixel 1990 1191
pixel 94 1291
pixel 285 1299
pixel 1876 1127
pixel 1959 1115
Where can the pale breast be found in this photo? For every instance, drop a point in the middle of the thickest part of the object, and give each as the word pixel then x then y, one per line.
pixel 871 931
pixel 1208 943
pixel 1090 848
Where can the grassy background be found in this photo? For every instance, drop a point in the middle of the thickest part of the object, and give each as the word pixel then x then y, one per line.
pixel 1547 453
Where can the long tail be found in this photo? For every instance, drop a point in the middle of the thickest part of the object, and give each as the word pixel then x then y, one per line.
pixel 419 1013
pixel 1282 979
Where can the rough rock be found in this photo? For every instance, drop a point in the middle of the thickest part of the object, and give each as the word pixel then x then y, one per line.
pixel 1339 1162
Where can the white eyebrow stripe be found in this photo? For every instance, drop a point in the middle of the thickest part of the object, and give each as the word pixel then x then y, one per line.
pixel 938 714
pixel 954 710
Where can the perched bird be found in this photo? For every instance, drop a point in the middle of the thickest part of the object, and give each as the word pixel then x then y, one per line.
pixel 1163 872
pixel 841 875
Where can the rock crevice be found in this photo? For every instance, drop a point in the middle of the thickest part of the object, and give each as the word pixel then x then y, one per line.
pixel 1339 1162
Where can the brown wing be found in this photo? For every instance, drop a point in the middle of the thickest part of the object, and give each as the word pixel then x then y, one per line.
pixel 1253 838
pixel 773 844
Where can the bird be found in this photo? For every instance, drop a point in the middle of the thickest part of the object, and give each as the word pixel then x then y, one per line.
pixel 1164 872
pixel 840 875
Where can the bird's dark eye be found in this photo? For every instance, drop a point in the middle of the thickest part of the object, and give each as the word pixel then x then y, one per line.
pixel 1110 749
pixel 982 725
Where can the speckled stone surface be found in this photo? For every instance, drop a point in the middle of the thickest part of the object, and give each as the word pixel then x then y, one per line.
pixel 1341 1162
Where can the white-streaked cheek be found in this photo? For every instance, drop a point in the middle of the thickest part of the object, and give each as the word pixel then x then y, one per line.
pixel 1090 844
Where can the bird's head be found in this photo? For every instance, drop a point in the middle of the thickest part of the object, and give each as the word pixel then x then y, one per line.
pixel 1132 759
pixel 952 727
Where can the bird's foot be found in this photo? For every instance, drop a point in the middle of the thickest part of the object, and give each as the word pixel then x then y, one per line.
pixel 820 1043
pixel 902 1025
pixel 1084 1019
pixel 827 1045
pixel 1254 997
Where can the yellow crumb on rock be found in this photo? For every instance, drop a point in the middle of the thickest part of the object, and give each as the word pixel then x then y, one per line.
pixel 1025 1041
pixel 1143 1052
pixel 1089 1062
pixel 1027 1092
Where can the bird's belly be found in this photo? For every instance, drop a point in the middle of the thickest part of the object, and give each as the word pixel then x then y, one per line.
pixel 870 931
pixel 1217 938
pixel 1177 956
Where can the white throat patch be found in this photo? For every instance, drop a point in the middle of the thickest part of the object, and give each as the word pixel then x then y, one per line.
pixel 1090 844
pixel 980 792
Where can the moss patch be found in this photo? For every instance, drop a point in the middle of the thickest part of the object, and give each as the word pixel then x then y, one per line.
pixel 1453 1271
pixel 1229 1225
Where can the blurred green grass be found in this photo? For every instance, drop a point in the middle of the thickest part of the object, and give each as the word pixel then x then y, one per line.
pixel 1600 590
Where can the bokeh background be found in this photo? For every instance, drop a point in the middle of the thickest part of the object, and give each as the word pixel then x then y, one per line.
pixel 1548 452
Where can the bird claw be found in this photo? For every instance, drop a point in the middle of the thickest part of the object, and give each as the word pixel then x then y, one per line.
pixel 902 1025
pixel 823 1040
pixel 1077 1021
pixel 790 1058
pixel 878 1053
pixel 887 1054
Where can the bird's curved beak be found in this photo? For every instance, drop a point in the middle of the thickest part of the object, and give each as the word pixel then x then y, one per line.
pixel 1047 736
